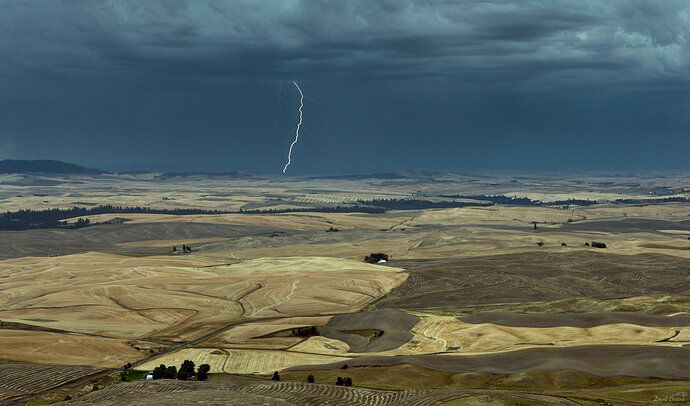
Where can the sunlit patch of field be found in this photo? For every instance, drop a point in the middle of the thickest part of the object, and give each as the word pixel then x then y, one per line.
pixel 265 362
pixel 241 361
pixel 167 298
pixel 655 305
pixel 435 334
pixel 214 357
pixel 288 221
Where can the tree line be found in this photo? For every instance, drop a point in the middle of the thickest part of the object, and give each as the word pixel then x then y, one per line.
pixel 186 371
pixel 525 201
pixel 27 219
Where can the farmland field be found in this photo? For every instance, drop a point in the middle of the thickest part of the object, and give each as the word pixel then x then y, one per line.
pixel 502 304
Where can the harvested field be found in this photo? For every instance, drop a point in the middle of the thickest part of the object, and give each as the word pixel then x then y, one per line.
pixel 110 237
pixel 176 298
pixel 371 331
pixel 485 301
pixel 629 225
pixel 584 320
pixel 536 277
pixel 411 376
pixel 437 334
pixel 236 361
pixel 288 393
pixel 661 305
pixel 67 349
pixel 216 358
pixel 603 360
pixel 20 380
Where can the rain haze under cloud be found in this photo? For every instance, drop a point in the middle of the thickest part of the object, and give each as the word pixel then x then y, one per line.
pixel 389 84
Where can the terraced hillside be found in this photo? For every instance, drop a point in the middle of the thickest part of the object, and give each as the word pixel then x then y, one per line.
pixel 260 393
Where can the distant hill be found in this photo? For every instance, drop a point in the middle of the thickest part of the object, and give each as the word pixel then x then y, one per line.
pixel 210 175
pixel 45 166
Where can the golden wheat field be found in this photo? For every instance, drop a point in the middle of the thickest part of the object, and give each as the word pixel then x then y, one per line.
pixel 289 291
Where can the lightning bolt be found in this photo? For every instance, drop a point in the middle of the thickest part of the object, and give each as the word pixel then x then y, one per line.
pixel 299 124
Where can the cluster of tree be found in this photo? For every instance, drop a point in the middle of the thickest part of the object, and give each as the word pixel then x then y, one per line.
pixel 678 199
pixel 346 381
pixel 185 248
pixel 374 258
pixel 500 199
pixel 573 202
pixel 418 204
pixel 80 223
pixel 525 201
pixel 185 372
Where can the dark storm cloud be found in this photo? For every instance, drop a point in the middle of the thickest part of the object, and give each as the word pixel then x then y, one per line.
pixel 528 74
pixel 634 40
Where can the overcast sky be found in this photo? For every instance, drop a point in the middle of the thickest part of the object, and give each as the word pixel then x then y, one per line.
pixel 389 84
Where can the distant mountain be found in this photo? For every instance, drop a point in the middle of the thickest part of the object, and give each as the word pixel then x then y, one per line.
pixel 45 166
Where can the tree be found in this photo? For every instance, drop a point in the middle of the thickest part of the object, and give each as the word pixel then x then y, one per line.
pixel 183 375
pixel 186 370
pixel 310 378
pixel 202 372
pixel 188 367
pixel 348 381
pixel 159 372
pixel 171 372
pixel 276 376
pixel 339 381
pixel 375 257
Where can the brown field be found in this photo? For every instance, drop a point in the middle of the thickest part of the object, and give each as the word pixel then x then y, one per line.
pixel 469 302
pixel 537 276
pixel 604 360
pixel 20 380
pixel 375 331
pixel 291 393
